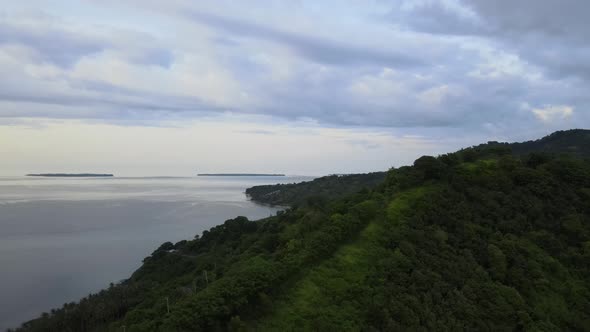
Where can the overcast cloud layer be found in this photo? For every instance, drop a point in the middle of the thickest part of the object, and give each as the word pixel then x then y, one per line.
pixel 476 69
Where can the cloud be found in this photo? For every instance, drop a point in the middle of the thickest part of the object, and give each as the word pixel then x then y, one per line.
pixel 49 39
pixel 553 113
pixel 436 17
pixel 550 34
pixel 321 50
pixel 132 72
pixel 551 18
pixel 437 95
pixel 257 132
pixel 450 65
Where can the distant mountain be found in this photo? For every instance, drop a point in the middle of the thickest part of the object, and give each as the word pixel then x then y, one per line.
pixel 71 175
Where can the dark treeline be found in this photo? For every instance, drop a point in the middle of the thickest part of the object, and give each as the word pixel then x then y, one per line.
pixel 574 142
pixel 475 240
pixel 327 187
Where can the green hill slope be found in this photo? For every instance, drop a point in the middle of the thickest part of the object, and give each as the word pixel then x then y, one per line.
pixel 475 240
pixel 575 142
pixel 326 187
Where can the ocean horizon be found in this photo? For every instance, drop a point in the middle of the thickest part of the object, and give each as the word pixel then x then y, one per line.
pixel 64 238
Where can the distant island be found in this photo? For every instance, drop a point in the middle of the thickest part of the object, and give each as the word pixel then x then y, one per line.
pixel 238 174
pixel 70 175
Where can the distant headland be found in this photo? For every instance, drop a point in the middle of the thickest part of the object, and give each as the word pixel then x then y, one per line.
pixel 71 175
pixel 238 174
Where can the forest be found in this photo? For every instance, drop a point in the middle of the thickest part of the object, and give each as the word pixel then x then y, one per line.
pixel 490 238
pixel 326 187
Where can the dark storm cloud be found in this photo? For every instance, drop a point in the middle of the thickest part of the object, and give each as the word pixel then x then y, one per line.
pixel 316 49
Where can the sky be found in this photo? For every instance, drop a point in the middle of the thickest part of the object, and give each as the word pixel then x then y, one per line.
pixel 178 87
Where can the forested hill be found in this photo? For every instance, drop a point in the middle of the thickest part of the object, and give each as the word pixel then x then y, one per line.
pixel 327 187
pixel 575 142
pixel 478 240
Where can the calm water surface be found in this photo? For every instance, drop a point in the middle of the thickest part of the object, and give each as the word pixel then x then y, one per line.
pixel 63 238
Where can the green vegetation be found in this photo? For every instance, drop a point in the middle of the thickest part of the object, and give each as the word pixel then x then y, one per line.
pixel 474 240
pixel 575 142
pixel 327 187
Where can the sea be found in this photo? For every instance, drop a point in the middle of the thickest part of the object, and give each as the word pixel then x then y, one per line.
pixel 64 238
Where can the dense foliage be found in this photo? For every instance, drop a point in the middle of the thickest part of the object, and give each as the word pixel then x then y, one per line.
pixel 474 240
pixel 327 187
pixel 574 142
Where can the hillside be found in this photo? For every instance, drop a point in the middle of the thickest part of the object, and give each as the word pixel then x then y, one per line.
pixel 333 186
pixel 575 142
pixel 474 240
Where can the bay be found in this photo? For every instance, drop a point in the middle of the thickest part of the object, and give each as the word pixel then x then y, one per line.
pixel 63 238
